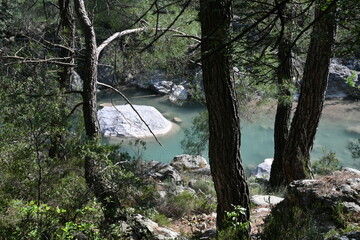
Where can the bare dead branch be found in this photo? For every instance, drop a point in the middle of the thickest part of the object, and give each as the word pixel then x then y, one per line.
pixel 56 61
pixel 101 47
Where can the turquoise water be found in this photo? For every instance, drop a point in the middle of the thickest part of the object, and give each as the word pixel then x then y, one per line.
pixel 257 136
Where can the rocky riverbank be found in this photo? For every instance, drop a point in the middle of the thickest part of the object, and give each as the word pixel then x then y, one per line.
pixel 327 207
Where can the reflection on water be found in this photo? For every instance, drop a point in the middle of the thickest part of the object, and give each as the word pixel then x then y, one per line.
pixel 339 125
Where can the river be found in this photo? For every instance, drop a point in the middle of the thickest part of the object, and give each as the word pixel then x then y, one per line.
pixel 338 126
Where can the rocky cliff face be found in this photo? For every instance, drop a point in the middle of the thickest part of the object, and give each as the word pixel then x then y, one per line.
pixel 325 208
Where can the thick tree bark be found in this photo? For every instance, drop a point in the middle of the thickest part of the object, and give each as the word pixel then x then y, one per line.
pixel 307 116
pixel 284 104
pixel 224 121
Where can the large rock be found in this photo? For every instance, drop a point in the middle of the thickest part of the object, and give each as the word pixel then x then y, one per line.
pixel 158 232
pixel 325 205
pixel 265 200
pixel 162 87
pixel 162 171
pixel 122 121
pixel 338 75
pixel 263 169
pixel 189 162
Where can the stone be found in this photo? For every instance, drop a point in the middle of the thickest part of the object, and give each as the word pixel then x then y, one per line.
pixel 178 93
pixel 177 120
pixel 189 162
pixel 347 169
pixel 162 171
pixel 265 200
pixel 263 169
pixel 122 121
pixel 162 87
pixel 159 233
pixel 338 75
pixel 321 199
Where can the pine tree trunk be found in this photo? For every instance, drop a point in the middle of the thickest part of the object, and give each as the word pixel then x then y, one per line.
pixel 224 121
pixel 312 95
pixel 284 104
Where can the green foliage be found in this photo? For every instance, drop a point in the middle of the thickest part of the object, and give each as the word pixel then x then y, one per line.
pixel 347 222
pixel 196 137
pixel 326 164
pixel 186 203
pixel 23 220
pixel 124 54
pixel 351 79
pixel 354 148
pixel 290 223
pixel 234 229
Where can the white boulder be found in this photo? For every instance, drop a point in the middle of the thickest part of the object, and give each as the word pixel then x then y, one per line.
pixel 122 121
pixel 265 200
pixel 263 169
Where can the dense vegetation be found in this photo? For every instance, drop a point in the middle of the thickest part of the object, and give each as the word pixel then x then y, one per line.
pixel 58 181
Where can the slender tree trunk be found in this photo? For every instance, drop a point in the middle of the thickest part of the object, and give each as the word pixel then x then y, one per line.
pixel 284 104
pixel 312 95
pixel 67 33
pixel 113 211
pixel 224 121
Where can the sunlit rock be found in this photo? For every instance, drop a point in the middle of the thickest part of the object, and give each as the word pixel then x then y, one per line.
pixel 122 121
pixel 263 169
pixel 189 162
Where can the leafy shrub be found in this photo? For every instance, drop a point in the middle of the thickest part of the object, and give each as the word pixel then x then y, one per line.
pixel 234 230
pixel 291 223
pixel 23 220
pixel 186 203
pixel 326 164
pixel 354 148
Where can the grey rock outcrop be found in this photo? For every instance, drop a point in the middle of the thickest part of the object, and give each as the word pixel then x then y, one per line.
pixel 338 75
pixel 161 171
pixel 122 121
pixel 177 89
pixel 330 203
pixel 189 163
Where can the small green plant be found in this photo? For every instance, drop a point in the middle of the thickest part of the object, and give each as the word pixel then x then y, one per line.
pixel 235 229
pixel 196 137
pixel 42 221
pixel 354 148
pixel 326 164
pixel 351 79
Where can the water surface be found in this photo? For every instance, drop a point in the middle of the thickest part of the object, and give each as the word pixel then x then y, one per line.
pixel 338 126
